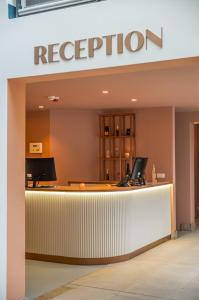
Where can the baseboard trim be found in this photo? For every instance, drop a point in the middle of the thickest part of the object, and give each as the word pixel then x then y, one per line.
pixel 95 261
pixel 174 235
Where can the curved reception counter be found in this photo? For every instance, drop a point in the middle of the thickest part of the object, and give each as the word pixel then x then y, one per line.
pixel 96 225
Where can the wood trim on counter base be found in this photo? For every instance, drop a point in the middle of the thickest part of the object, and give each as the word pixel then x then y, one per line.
pixel 95 261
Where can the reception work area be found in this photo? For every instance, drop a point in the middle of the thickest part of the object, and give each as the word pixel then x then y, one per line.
pixel 96 224
pixel 105 204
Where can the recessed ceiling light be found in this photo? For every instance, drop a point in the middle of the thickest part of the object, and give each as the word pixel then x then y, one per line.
pixel 41 107
pixel 134 100
pixel 105 92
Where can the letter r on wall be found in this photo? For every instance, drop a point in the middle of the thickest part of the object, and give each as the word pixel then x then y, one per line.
pixel 40 55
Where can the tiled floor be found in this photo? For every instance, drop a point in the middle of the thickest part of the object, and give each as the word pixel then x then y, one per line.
pixel 167 272
pixel 42 277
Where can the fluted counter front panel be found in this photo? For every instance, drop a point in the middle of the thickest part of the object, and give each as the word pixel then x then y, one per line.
pixel 96 224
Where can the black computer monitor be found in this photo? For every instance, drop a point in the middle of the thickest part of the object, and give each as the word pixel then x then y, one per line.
pixel 40 169
pixel 139 166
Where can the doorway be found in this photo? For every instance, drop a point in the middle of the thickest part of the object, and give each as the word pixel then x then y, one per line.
pixel 16 145
pixel 196 170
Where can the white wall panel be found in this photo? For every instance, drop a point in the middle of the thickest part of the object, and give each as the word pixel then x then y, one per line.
pixel 179 19
pixel 96 225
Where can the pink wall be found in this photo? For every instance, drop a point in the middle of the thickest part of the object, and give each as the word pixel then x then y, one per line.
pixel 71 136
pixel 74 144
pixel 74 140
pixel 16 195
pixel 154 139
pixel 185 167
pixel 38 129
pixel 196 168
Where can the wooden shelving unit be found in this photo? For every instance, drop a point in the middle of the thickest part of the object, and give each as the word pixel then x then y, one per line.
pixel 117 144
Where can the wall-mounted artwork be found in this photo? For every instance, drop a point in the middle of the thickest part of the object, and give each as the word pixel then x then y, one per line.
pixel 35 148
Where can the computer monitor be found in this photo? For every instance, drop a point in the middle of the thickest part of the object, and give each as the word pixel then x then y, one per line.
pixel 40 169
pixel 139 166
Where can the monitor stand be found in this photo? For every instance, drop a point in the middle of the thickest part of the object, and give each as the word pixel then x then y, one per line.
pixel 34 184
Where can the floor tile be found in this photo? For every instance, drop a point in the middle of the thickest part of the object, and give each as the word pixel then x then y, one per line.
pixel 167 272
pixel 189 291
pixel 86 293
pixel 164 281
pixel 42 277
pixel 127 296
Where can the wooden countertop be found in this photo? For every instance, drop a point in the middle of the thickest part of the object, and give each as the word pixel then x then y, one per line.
pixel 95 188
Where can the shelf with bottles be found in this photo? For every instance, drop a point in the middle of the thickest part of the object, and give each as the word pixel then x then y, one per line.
pixel 117 144
pixel 116 172
pixel 116 131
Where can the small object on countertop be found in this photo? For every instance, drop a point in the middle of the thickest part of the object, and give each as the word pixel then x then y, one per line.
pixel 154 177
pixel 82 185
pixel 124 182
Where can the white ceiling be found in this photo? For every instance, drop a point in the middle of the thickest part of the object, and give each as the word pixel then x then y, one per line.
pixel 177 86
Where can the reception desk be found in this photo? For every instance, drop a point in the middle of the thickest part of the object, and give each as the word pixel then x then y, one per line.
pixel 96 224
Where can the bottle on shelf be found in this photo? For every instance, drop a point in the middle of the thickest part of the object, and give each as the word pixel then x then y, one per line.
pixel 108 154
pixel 128 131
pixel 127 155
pixel 117 152
pixel 128 172
pixel 117 132
pixel 106 130
pixel 107 174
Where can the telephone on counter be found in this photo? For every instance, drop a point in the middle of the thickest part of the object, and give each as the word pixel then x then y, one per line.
pixel 136 178
pixel 124 182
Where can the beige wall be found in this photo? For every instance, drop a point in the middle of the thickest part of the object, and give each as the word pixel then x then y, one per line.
pixel 154 139
pixel 38 129
pixel 16 195
pixel 73 140
pixel 74 144
pixel 71 137
pixel 196 168
pixel 185 167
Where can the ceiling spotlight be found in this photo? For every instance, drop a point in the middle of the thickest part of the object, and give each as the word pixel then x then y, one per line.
pixel 53 98
pixel 41 107
pixel 133 100
pixel 105 92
